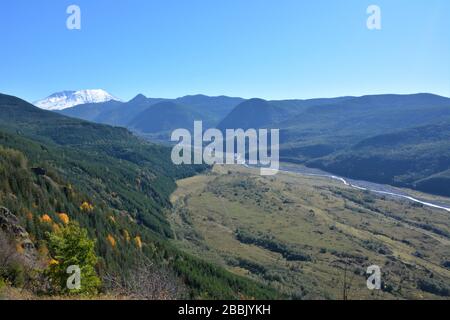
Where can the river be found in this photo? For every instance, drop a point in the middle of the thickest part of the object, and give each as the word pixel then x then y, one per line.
pixel 363 185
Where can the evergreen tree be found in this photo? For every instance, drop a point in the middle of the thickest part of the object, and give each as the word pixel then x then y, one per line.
pixel 71 246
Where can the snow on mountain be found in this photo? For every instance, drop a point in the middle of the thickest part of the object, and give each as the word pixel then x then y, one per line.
pixel 66 99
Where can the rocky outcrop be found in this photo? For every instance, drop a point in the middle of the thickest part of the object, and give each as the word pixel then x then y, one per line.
pixel 10 225
pixel 39 171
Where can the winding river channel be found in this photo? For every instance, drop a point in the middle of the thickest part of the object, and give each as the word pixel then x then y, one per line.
pixel 363 185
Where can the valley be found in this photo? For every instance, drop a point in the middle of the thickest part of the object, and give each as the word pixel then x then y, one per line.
pixel 428 200
pixel 400 140
pixel 226 232
pixel 234 158
pixel 302 235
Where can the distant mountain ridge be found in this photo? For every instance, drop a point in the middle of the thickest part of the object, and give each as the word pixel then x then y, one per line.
pixel 130 114
pixel 164 117
pixel 253 113
pixel 418 157
pixel 380 138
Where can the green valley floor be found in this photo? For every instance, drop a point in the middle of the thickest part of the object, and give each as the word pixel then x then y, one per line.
pixel 313 238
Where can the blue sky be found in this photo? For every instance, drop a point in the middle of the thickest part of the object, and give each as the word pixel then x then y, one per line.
pixel 251 48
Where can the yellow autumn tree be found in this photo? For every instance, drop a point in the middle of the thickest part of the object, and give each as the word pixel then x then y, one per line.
pixel 64 218
pixel 86 207
pixel 46 218
pixel 111 240
pixel 138 242
pixel 53 262
pixel 126 235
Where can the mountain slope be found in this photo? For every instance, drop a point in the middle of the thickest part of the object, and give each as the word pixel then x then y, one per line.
pixel 253 113
pixel 215 108
pixel 393 139
pixel 92 147
pixel 259 113
pixel 416 158
pixel 210 109
pixel 51 163
pixel 321 130
pixel 32 194
pixel 164 117
pixel 123 114
pixel 92 111
pixel 67 99
pixel 361 117
pixel 112 112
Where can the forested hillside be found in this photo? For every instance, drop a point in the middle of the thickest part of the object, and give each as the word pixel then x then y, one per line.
pixel 128 114
pixel 58 173
pixel 394 139
pixel 418 157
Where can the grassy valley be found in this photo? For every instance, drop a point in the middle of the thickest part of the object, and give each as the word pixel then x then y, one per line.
pixel 307 236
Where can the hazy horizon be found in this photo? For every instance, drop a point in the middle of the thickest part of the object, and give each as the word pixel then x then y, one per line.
pixel 246 98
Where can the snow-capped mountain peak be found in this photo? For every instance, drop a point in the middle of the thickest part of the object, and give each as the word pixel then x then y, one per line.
pixel 66 99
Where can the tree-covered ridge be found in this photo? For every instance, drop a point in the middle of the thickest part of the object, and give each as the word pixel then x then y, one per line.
pixel 130 114
pixel 417 157
pixel 394 139
pixel 109 163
